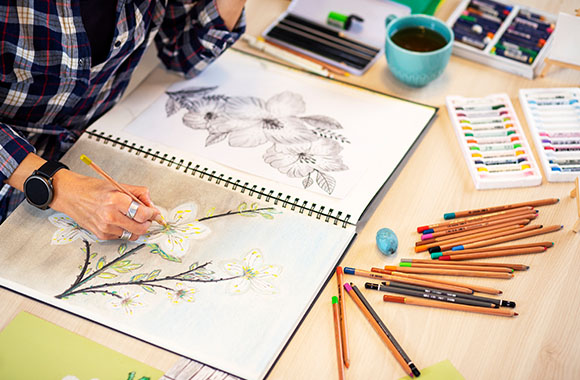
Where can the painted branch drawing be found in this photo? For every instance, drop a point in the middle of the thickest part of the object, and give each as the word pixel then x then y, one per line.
pixel 123 274
pixel 306 147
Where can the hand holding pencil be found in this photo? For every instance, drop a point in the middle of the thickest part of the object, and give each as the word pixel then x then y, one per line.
pixel 103 208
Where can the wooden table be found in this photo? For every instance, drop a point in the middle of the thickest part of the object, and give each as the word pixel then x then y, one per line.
pixel 543 342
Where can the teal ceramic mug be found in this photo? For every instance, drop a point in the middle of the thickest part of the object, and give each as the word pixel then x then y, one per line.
pixel 417 68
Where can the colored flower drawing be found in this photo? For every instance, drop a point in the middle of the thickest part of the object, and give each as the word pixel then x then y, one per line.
pixel 181 293
pixel 280 121
pixel 127 302
pixel 182 227
pixel 251 273
pixel 68 230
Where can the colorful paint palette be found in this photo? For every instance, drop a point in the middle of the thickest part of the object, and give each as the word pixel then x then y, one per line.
pixel 496 150
pixel 553 116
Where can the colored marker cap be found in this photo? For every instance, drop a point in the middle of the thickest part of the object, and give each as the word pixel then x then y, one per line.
pixel 334 299
pixel 347 287
pixel 348 270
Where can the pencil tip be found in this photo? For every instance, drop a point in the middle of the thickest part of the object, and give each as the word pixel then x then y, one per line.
pixel 500 292
pixel 516 314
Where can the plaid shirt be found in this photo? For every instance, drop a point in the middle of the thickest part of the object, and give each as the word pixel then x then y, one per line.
pixel 49 93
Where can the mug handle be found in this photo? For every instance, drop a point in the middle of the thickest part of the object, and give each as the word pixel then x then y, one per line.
pixel 389 19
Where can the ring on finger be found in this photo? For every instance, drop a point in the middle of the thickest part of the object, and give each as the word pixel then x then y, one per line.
pixel 126 235
pixel 132 211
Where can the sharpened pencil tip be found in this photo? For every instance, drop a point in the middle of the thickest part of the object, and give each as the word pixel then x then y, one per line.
pixel 500 292
pixel 85 159
pixel 516 314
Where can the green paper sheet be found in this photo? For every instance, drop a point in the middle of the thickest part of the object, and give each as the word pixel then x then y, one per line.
pixel 31 348
pixel 441 371
pixel 427 7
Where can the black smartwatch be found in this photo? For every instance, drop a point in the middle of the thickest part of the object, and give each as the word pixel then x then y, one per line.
pixel 38 187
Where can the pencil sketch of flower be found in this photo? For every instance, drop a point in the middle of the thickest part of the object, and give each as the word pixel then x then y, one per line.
pixel 127 302
pixel 253 121
pixel 251 273
pixel 68 230
pixel 306 160
pixel 182 227
pixel 206 113
pixel 181 293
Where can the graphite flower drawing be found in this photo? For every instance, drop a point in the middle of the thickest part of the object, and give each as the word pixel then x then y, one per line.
pixel 302 146
pixel 68 230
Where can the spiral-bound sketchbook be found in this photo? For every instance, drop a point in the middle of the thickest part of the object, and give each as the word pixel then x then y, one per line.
pixel 261 173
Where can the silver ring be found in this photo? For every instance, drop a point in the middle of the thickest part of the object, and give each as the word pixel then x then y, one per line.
pixel 126 235
pixel 132 211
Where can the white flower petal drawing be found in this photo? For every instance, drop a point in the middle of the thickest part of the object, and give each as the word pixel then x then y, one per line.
pixel 252 274
pixel 128 302
pixel 182 227
pixel 181 293
pixel 68 230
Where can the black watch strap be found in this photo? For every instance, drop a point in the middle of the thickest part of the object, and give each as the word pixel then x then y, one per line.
pixel 50 168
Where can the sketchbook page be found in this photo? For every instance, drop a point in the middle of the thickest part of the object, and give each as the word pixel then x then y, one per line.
pixel 564 46
pixel 330 143
pixel 227 290
pixel 373 12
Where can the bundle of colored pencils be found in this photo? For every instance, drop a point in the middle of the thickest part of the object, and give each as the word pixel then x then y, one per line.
pixel 474 234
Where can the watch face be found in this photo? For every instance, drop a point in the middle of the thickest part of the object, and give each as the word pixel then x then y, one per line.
pixel 37 191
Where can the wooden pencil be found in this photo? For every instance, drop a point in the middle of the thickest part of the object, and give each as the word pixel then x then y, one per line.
pixel 421 281
pixel 342 315
pixel 446 305
pixel 434 282
pixel 484 218
pixel 337 337
pixel 435 264
pixel 447 245
pixel 159 218
pixel 486 210
pixel 469 263
pixel 452 223
pixel 546 244
pixel 450 272
pixel 482 255
pixel 379 331
pixel 478 226
pixel 474 233
pixel 511 237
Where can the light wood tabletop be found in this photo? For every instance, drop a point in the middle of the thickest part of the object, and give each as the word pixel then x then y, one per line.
pixel 542 342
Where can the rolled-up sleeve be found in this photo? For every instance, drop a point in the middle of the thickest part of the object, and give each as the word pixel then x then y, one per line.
pixel 13 149
pixel 193 34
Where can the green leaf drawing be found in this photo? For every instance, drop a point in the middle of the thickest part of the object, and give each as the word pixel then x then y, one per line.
pixel 101 263
pixel 210 212
pixel 153 275
pixel 139 277
pixel 107 275
pixel 122 248
pixel 158 251
pixel 148 289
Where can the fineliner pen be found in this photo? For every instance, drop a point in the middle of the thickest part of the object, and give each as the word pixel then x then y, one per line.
pixel 511 55
pixel 494 162
pixel 490 9
pixel 469 28
pixel 497 154
pixel 560 141
pixel 486 127
pixel 553 102
pixel 534 24
pixel 558 134
pixel 506 45
pixel 564 148
pixel 557 126
pixel 565 161
pixel 493 25
pixel 492 140
pixel 470 40
pixel 556 111
pixel 504 169
pixel 530 44
pixel 566 169
pixel 482 15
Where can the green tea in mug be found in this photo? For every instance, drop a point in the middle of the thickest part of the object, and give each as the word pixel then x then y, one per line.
pixel 419 38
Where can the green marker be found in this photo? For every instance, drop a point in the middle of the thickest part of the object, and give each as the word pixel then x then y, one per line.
pixel 341 21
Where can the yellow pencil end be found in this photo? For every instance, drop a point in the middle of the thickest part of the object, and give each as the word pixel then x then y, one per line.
pixel 86 160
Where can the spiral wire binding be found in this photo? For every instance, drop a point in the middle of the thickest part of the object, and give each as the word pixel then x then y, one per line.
pixel 220 179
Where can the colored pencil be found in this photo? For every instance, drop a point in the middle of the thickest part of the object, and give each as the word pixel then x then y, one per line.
pixel 433 282
pixel 408 280
pixel 342 311
pixel 519 267
pixel 382 330
pixel 486 210
pixel 469 234
pixel 546 244
pixel 468 222
pixel 479 226
pixel 159 218
pixel 337 337
pixel 511 237
pixel 452 223
pixel 439 265
pixel 471 256
pixel 451 306
pixel 449 272
pixel 444 246
pixel 446 293
pixel 385 287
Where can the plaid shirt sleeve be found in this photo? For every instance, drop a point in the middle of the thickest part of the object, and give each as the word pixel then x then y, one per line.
pixel 194 35
pixel 13 149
